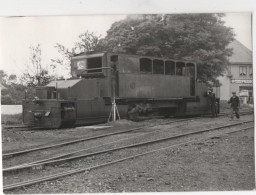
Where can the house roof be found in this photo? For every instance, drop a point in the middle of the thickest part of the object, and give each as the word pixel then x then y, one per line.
pixel 241 54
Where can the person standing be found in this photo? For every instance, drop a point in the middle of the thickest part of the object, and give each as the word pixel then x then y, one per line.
pixel 235 105
pixel 212 102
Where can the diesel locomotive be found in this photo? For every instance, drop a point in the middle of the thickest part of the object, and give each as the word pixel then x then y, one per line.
pixel 137 85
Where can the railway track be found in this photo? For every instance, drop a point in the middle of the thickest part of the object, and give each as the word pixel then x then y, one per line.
pixel 60 158
pixel 80 140
pixel 49 160
pixel 87 138
pixel 37 148
pixel 75 171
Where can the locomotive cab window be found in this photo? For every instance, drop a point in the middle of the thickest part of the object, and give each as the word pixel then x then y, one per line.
pixel 179 68
pixel 81 64
pixel 78 66
pixel 114 62
pixel 114 58
pixel 145 65
pixel 158 67
pixel 190 70
pixel 169 67
pixel 95 64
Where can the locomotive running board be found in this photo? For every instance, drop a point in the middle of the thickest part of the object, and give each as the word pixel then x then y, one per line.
pixel 187 99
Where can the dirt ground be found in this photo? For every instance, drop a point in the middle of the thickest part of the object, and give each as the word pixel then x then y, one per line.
pixel 220 163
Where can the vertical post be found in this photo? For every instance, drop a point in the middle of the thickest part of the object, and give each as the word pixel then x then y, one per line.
pixel 114 109
pixel 26 91
pixel 174 67
pixel 56 90
pixel 117 113
pixel 114 98
pixel 195 65
pixel 164 67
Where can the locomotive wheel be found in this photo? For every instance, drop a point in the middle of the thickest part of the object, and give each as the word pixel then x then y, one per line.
pixel 181 110
pixel 68 124
pixel 133 114
pixel 165 112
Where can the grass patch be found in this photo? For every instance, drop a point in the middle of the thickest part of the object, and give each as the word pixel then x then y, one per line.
pixel 11 119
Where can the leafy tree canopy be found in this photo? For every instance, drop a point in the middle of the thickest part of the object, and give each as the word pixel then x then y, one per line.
pixel 3 77
pixel 87 42
pixel 36 74
pixel 202 38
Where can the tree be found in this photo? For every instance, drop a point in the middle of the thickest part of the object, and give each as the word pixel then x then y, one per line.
pixel 87 42
pixel 13 91
pixel 3 77
pixel 202 38
pixel 12 79
pixel 6 100
pixel 35 74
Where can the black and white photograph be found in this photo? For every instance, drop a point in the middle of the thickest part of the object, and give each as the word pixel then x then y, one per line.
pixel 139 102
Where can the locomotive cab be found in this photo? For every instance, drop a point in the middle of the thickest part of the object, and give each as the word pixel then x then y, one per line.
pixel 88 66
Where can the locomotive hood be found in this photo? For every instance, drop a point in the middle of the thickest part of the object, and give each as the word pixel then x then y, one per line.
pixel 63 84
pixel 76 88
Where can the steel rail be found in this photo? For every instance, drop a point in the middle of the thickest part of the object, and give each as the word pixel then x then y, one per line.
pixel 85 139
pixel 228 113
pixel 76 171
pixel 44 162
pixel 20 126
pixel 25 165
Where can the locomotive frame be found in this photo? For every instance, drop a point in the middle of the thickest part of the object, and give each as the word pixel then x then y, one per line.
pixel 139 85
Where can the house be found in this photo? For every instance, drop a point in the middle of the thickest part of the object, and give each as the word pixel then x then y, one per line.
pixel 239 75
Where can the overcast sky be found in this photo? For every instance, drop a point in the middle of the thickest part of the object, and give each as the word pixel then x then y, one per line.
pixel 18 33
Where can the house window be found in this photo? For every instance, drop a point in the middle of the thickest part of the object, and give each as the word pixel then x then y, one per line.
pixel 242 70
pixel 250 71
pixel 145 65
pixel 158 66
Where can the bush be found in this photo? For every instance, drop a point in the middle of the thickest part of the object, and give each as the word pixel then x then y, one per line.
pixel 6 100
pixel 11 119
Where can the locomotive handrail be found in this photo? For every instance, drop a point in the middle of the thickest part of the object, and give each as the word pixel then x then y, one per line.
pixel 96 69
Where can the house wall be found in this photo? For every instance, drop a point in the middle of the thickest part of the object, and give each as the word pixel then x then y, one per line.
pixel 224 90
pixel 236 80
